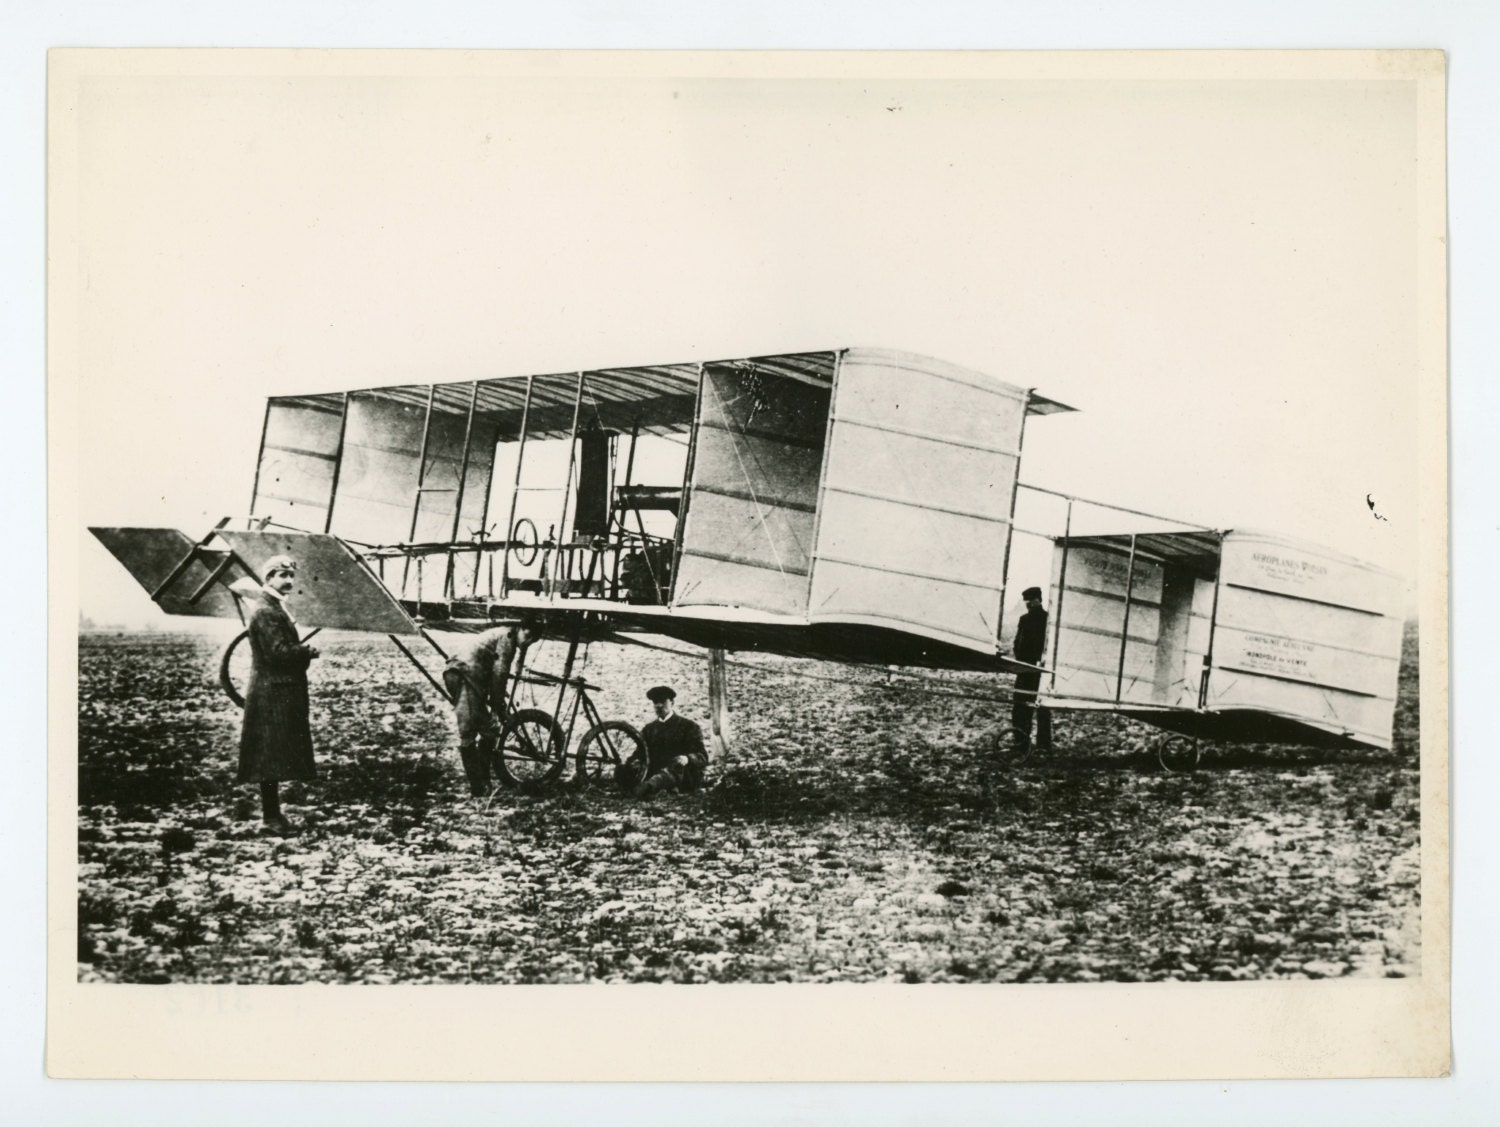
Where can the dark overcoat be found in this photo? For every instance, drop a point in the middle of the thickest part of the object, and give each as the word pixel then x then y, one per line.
pixel 667 739
pixel 1031 636
pixel 276 740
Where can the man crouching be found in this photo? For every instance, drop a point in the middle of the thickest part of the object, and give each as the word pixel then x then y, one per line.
pixel 476 679
pixel 675 757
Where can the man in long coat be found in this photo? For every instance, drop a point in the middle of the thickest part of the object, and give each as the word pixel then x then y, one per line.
pixel 476 679
pixel 276 738
pixel 1031 647
pixel 675 756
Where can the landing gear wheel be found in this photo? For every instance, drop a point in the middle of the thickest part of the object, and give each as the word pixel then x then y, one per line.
pixel 524 542
pixel 1178 753
pixel 1011 749
pixel 604 748
pixel 530 752
pixel 234 665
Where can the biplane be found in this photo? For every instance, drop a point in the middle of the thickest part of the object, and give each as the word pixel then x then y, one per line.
pixel 849 505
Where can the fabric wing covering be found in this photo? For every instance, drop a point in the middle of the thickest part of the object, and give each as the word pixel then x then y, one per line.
pixel 747 539
pixel 1307 633
pixel 917 498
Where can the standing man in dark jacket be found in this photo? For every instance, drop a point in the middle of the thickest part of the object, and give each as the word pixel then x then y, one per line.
pixel 276 739
pixel 476 679
pixel 1031 647
pixel 675 757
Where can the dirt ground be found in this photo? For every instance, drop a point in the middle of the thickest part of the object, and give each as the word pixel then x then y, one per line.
pixel 854 835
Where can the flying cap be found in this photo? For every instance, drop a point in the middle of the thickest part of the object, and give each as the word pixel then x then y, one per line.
pixel 1032 593
pixel 279 563
pixel 661 693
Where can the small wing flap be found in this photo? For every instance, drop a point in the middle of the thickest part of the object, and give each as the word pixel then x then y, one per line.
pixel 155 555
pixel 335 589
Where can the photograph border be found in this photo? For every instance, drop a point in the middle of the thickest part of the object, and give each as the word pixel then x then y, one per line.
pixel 1378 1028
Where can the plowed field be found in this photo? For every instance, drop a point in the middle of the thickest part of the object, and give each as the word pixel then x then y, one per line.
pixel 855 835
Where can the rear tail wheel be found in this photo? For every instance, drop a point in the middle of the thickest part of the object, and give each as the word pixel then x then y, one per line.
pixel 604 748
pixel 530 751
pixel 1012 749
pixel 1178 753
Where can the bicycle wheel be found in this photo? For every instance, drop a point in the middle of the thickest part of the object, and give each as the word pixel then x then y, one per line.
pixel 604 747
pixel 234 666
pixel 530 752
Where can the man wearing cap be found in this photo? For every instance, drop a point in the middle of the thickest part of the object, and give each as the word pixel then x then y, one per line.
pixel 476 682
pixel 275 739
pixel 675 755
pixel 1030 647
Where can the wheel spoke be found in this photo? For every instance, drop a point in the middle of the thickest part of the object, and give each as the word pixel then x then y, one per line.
pixel 606 746
pixel 531 749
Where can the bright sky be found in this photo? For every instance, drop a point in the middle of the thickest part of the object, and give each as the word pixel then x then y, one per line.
pixel 1221 276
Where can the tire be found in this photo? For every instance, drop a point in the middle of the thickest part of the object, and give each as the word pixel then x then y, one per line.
pixel 530 750
pixel 604 748
pixel 1178 753
pixel 228 670
pixel 234 665
pixel 1011 750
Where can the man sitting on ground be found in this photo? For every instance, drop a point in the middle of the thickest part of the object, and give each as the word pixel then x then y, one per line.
pixel 675 757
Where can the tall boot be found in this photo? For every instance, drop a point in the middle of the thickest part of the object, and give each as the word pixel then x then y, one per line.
pixel 1044 730
pixel 488 741
pixel 476 770
pixel 270 808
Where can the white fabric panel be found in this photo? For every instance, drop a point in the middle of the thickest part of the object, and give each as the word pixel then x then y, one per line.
pixel 1310 622
pixel 1368 717
pixel 747 401
pixel 1085 684
pixel 295 479
pixel 774 471
pixel 377 485
pixel 1198 633
pixel 748 530
pixel 1203 597
pixel 288 480
pixel 1105 571
pixel 1183 692
pixel 779 539
pixel 1083 609
pixel 755 587
pixel 303 428
pixel 1304 661
pixel 772 543
pixel 904 538
pixel 1092 609
pixel 375 495
pixel 885 392
pixel 1170 653
pixel 918 470
pixel 1332 661
pixel 1089 664
pixel 923 482
pixel 902 602
pixel 1285 567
